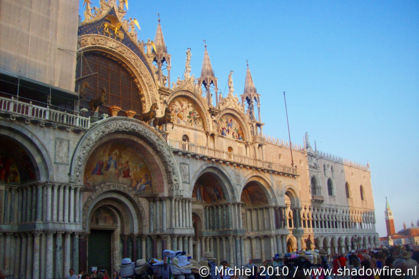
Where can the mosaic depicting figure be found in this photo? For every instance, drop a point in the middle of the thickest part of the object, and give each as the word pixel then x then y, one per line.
pixel 118 162
pixel 184 112
pixel 208 194
pixel 230 127
pixel 15 165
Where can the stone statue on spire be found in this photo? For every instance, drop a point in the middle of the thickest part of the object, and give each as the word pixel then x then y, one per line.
pixel 188 63
pixel 230 83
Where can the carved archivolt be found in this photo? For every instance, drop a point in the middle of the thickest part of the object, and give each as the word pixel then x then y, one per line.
pixel 123 194
pixel 200 103
pixel 143 77
pixel 241 118
pixel 122 125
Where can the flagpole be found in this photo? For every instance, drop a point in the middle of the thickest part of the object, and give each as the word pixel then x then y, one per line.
pixel 289 134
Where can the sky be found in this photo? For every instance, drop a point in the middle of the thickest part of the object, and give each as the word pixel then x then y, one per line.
pixel 350 70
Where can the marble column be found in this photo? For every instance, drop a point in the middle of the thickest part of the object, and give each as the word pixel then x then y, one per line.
pixel 29 256
pixel 71 217
pixel 48 203
pixel 172 214
pixel 174 243
pixel 23 265
pixel 60 201
pixel 18 249
pixel 75 252
pixel 36 253
pixel 164 215
pixel 299 242
pixel 180 243
pixel 67 253
pixel 157 215
pixel 262 248
pixel 66 205
pixel 151 206
pixel 230 216
pixel 7 252
pixel 143 247
pixel 186 245
pixel 49 256
pixel 39 202
pixel 77 202
pixel 54 202
pixel 236 250
pixel 59 255
pixel 2 253
pixel 279 244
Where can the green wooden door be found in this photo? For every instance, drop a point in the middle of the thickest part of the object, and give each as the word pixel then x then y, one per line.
pixel 100 249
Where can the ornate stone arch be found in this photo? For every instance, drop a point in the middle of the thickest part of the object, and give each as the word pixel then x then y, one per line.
pixel 124 195
pixel 263 181
pixel 227 185
pixel 34 147
pixel 240 117
pixel 293 195
pixel 143 78
pixel 127 126
pixel 198 100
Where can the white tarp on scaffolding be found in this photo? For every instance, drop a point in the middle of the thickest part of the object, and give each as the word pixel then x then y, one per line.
pixel 38 40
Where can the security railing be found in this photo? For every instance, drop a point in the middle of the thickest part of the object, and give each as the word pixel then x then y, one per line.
pixel 35 112
pixel 230 156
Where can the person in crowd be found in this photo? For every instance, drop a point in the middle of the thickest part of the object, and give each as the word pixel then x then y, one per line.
pixel 72 274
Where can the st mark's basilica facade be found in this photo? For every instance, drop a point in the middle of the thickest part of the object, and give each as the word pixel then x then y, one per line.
pixel 103 156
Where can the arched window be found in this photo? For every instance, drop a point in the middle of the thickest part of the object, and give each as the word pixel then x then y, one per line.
pixel 230 152
pixel 313 185
pixel 347 190
pixel 185 142
pixel 330 187
pixel 361 190
pixel 113 79
pixel 324 169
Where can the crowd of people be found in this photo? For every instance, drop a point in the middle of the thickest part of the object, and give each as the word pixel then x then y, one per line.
pixel 382 264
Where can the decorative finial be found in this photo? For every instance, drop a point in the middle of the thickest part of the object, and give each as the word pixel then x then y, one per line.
pixel 247 63
pixel 205 44
pixel 158 17
pixel 230 83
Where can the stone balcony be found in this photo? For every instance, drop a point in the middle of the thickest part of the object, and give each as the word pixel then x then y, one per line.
pixel 35 113
pixel 220 156
pixel 318 199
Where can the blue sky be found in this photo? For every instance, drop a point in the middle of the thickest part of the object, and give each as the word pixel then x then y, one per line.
pixel 350 70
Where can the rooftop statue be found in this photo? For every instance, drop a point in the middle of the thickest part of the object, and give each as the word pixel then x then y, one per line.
pixel 230 83
pixel 188 63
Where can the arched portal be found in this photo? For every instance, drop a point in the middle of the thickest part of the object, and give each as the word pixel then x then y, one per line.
pixel 127 169
pixel 211 201
pixel 257 218
pixel 114 221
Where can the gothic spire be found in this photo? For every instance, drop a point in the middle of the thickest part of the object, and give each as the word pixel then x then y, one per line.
pixel 159 39
pixel 207 76
pixel 249 86
pixel 250 95
pixel 161 56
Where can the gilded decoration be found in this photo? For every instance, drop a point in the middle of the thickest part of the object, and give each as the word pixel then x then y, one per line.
pixel 186 113
pixel 15 165
pixel 143 77
pixel 124 125
pixel 118 162
pixel 230 127
pixel 208 194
